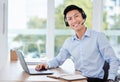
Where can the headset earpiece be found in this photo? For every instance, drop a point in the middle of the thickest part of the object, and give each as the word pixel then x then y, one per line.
pixel 66 23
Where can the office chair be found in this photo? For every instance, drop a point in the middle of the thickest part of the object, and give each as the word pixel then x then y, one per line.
pixel 106 68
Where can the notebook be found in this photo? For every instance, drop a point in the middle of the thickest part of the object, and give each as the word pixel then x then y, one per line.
pixel 68 77
pixel 30 71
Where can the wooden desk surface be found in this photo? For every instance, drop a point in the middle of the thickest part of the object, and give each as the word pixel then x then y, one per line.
pixel 13 72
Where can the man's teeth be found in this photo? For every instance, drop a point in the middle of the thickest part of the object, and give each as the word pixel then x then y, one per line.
pixel 76 25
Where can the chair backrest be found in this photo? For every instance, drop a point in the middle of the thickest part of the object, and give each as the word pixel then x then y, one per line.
pixel 106 68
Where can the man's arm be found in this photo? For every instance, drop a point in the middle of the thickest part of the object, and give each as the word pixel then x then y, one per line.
pixel 109 55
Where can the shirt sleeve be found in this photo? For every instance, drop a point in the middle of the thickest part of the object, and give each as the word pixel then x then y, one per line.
pixel 109 55
pixel 61 57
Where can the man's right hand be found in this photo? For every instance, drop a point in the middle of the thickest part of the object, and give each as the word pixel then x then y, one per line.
pixel 41 66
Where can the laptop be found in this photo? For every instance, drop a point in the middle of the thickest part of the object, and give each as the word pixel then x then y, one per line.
pixel 30 71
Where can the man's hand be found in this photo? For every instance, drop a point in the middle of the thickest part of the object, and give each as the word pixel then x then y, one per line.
pixel 41 66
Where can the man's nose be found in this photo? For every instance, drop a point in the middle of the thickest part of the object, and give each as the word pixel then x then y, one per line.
pixel 74 19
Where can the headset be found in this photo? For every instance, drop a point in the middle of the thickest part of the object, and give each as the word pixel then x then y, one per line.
pixel 73 7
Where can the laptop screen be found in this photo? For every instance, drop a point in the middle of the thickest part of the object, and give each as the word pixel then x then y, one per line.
pixel 22 60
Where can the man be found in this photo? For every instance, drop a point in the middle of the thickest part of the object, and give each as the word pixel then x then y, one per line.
pixel 87 48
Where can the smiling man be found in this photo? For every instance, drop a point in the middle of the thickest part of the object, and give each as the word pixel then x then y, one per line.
pixel 88 49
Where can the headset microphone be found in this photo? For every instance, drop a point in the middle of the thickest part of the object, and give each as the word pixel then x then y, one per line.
pixel 83 21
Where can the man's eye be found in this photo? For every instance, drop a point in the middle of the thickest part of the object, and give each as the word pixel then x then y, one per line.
pixel 68 19
pixel 76 15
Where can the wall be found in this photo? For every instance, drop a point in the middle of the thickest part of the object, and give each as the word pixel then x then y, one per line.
pixel 3 33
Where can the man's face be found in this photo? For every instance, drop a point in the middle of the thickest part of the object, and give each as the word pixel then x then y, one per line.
pixel 74 19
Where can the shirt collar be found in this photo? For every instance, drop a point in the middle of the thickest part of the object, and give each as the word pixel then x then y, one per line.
pixel 87 34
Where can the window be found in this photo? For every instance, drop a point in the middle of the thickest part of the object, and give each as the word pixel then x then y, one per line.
pixel 37 26
pixel 27 26
pixel 35 31
pixel 111 23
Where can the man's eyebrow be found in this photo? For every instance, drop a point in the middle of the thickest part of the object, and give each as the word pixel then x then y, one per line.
pixel 73 15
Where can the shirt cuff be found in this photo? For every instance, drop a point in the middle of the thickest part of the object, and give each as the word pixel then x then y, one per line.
pixel 49 66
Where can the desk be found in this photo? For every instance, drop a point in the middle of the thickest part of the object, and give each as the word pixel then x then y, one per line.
pixel 13 72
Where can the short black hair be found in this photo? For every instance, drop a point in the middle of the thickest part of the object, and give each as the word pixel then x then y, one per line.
pixel 73 7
